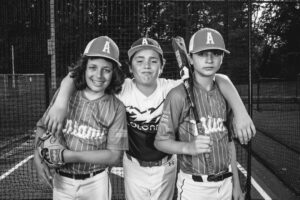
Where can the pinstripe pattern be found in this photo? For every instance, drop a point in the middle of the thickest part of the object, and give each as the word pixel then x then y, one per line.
pixel 177 115
pixel 94 125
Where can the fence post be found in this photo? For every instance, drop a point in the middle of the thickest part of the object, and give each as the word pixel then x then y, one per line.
pixel 297 87
pixel 250 96
pixel 51 45
pixel 257 94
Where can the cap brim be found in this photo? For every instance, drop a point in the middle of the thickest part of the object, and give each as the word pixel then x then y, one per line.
pixel 135 49
pixel 104 56
pixel 210 48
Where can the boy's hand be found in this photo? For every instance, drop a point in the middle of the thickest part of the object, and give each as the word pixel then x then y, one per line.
pixel 43 170
pixel 244 128
pixel 55 119
pixel 200 144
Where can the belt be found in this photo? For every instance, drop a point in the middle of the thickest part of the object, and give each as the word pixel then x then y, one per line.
pixel 213 177
pixel 79 176
pixel 143 163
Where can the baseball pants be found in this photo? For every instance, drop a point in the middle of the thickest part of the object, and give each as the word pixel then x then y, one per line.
pixel 96 187
pixel 149 183
pixel 188 189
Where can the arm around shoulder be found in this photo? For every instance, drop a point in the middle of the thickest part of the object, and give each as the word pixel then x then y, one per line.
pixel 57 113
pixel 244 127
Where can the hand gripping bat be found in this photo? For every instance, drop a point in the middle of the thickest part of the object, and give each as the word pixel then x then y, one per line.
pixel 184 65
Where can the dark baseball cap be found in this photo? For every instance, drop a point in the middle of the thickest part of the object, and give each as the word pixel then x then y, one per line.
pixel 144 43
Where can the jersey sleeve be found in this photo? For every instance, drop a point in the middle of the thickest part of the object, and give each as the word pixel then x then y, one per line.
pixel 172 114
pixel 117 133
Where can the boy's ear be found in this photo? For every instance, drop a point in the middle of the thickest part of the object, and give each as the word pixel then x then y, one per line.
pixel 222 59
pixel 162 67
pixel 190 59
pixel 130 68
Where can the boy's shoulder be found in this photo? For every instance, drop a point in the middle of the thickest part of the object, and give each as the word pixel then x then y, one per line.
pixel 113 99
pixel 178 91
pixel 165 81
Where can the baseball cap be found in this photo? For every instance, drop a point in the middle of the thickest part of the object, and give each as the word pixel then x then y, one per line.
pixel 206 39
pixel 104 47
pixel 144 43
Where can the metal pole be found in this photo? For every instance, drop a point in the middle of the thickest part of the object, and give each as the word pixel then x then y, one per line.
pixel 13 66
pixel 248 194
pixel 52 45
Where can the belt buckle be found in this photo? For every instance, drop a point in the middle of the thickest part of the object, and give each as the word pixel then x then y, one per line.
pixel 197 178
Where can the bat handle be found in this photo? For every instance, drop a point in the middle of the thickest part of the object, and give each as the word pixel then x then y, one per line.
pixel 184 73
pixel 207 156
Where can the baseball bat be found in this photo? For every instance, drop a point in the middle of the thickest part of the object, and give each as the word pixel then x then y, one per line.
pixel 184 65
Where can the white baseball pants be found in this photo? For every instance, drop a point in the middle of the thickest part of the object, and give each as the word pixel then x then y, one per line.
pixel 188 189
pixel 149 183
pixel 96 187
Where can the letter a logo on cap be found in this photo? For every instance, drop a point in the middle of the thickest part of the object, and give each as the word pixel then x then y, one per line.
pixel 209 38
pixel 144 42
pixel 106 48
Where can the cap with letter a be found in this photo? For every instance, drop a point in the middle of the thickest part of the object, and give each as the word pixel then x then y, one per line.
pixel 144 43
pixel 207 39
pixel 104 47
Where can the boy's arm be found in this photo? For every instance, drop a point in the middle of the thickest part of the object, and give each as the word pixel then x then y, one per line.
pixel 237 193
pixel 55 117
pixel 105 156
pixel 243 124
pixel 201 144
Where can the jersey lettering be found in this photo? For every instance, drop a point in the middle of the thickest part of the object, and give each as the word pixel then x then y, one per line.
pixel 106 48
pixel 83 131
pixel 144 127
pixel 212 125
pixel 209 38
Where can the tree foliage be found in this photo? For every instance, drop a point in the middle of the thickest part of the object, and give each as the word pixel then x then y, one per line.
pixel 277 41
pixel 275 28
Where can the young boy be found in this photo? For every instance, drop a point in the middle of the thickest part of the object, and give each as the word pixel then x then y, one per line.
pixel 96 127
pixel 176 132
pixel 148 173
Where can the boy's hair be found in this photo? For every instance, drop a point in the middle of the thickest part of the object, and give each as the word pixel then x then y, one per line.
pixel 160 58
pixel 78 74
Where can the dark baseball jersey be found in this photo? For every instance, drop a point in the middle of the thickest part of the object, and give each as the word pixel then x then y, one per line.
pixel 143 115
pixel 93 125
pixel 178 122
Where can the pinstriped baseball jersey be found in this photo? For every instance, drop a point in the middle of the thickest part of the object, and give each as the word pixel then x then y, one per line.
pixel 143 115
pixel 177 118
pixel 93 125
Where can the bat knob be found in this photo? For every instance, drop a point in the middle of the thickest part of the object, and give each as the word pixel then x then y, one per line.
pixel 184 73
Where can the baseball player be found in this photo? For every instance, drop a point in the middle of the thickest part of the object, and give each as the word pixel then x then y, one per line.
pixel 95 129
pixel 177 133
pixel 148 173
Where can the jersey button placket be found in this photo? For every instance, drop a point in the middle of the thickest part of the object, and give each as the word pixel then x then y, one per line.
pixel 210 110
